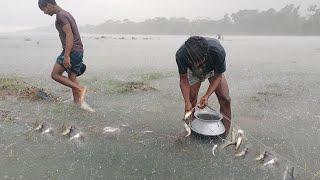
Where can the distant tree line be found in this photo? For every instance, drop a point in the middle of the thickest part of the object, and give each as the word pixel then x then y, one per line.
pixel 286 21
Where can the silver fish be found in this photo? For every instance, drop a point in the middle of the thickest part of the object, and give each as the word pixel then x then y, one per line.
pixel 214 148
pixel 49 130
pixel 239 139
pixel 43 128
pixel 37 126
pixel 227 144
pixel 288 174
pixel 110 130
pixel 271 162
pixel 74 133
pixel 242 153
pixel 187 115
pixel 65 130
pixel 261 157
pixel 188 129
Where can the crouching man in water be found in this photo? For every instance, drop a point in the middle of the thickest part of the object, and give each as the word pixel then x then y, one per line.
pixel 70 60
pixel 198 59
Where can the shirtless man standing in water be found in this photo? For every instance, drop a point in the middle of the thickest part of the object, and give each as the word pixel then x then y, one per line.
pixel 70 60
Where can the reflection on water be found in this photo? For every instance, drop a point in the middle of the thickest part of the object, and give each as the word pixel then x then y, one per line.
pixel 274 100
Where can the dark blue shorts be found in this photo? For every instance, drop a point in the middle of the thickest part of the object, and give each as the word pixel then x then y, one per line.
pixel 77 66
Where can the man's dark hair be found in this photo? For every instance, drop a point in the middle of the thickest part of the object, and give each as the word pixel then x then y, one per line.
pixel 44 3
pixel 197 48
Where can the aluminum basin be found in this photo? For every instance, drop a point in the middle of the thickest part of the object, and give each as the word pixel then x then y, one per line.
pixel 207 122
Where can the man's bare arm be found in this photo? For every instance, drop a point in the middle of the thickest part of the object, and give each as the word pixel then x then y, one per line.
pixel 185 90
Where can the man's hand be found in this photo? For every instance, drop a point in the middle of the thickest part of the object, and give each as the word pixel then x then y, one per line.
pixel 203 102
pixel 66 62
pixel 188 107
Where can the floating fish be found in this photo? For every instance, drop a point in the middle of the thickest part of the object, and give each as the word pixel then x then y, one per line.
pixel 65 130
pixel 74 133
pixel 187 115
pixel 37 126
pixel 110 130
pixel 242 153
pixel 45 128
pixel 188 129
pixel 271 162
pixel 288 174
pixel 227 144
pixel 239 139
pixel 261 157
pixel 214 148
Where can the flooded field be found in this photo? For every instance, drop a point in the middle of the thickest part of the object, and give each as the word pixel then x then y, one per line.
pixel 136 131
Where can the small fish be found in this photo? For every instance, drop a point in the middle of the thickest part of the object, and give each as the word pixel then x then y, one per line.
pixel 188 129
pixel 261 156
pixel 65 130
pixel 271 162
pixel 227 144
pixel 239 139
pixel 37 126
pixel 242 153
pixel 288 174
pixel 74 133
pixel 214 148
pixel 110 130
pixel 187 115
pixel 45 128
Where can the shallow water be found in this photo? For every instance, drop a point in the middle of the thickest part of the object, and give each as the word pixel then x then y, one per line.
pixel 274 85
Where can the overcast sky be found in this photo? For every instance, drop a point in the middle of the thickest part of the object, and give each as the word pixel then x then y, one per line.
pixel 17 14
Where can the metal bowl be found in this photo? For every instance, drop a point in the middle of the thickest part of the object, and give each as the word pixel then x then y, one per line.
pixel 207 122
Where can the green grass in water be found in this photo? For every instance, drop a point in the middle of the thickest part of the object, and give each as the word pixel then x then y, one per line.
pixel 12 84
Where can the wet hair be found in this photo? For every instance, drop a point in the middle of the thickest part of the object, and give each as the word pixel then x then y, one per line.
pixel 197 48
pixel 44 3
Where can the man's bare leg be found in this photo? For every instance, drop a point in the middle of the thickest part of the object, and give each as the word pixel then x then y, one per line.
pixel 75 93
pixel 222 93
pixel 57 76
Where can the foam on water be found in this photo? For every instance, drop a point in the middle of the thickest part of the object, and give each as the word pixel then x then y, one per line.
pixel 85 106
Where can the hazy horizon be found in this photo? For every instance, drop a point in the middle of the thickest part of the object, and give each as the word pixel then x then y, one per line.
pixel 97 11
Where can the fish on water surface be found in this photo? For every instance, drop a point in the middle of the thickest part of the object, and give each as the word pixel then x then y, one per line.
pixel 110 130
pixel 214 148
pixel 188 129
pixel 242 153
pixel 75 133
pixel 228 143
pixel 65 129
pixel 273 161
pixel 239 139
pixel 43 128
pixel 262 156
